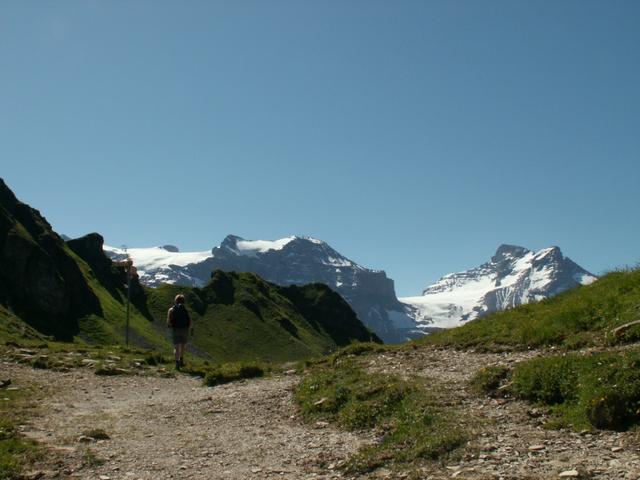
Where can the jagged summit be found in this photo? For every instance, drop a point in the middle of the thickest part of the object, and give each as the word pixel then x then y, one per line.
pixel 514 276
pixel 506 251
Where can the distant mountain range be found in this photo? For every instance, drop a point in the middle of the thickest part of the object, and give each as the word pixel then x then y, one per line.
pixel 514 276
pixel 69 287
pixel 287 261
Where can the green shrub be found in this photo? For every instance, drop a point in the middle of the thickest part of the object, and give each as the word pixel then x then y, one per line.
pixel 487 380
pixel 231 372
pixel 600 390
pixel 41 363
pixel 550 380
pixel 155 358
pixel 97 434
pixel 356 349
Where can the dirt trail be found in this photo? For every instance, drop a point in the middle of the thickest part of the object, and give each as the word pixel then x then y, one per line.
pixel 163 428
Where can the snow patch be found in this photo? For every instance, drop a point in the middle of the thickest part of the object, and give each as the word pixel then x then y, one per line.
pixel 253 247
pixel 157 257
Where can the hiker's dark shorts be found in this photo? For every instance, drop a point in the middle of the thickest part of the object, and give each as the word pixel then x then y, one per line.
pixel 180 335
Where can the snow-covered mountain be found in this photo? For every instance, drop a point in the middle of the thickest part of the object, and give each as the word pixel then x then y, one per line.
pixel 291 260
pixel 514 276
pixel 166 264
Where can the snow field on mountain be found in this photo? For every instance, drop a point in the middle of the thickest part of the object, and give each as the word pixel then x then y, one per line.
pixel 159 264
pixel 157 257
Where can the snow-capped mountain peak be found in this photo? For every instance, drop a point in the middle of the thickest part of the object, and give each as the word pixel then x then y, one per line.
pixel 251 248
pixel 515 275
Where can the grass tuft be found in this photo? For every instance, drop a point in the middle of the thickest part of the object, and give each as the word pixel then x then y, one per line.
pixel 16 452
pixel 231 372
pixel 96 434
pixel 411 423
pixel 488 380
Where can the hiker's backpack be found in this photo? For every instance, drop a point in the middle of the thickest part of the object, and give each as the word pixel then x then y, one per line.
pixel 179 316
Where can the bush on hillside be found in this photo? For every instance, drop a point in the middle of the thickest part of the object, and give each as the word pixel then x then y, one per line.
pixel 601 390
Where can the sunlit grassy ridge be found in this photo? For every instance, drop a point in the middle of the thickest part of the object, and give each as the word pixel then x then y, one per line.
pixel 239 316
pixel 580 317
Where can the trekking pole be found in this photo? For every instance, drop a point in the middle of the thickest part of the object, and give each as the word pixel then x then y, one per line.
pixel 128 264
pixel 128 300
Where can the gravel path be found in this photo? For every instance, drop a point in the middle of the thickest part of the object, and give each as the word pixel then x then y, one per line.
pixel 163 428
pixel 175 428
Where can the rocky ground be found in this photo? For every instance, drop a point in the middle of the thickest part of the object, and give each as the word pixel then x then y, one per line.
pixel 510 441
pixel 163 428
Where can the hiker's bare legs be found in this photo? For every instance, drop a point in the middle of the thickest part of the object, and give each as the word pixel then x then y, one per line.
pixel 178 351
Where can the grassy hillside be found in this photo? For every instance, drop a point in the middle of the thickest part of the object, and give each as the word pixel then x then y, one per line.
pixel 239 316
pixel 110 326
pixel 580 317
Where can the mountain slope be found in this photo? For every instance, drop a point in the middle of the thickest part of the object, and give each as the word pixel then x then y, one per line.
pixel 514 276
pixel 239 316
pixel 287 261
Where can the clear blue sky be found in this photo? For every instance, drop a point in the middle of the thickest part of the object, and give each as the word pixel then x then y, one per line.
pixel 413 136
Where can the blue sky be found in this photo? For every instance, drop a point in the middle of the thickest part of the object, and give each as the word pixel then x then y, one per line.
pixel 413 136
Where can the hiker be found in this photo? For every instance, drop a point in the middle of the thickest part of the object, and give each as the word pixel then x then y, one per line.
pixel 179 321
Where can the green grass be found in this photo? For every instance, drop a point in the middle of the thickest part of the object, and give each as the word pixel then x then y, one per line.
pixel 593 391
pixel 407 414
pixel 16 452
pixel 584 316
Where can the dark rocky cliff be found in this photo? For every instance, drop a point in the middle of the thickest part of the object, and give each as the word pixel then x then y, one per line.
pixel 39 279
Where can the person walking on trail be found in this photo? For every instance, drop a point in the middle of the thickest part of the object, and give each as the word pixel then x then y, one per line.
pixel 179 321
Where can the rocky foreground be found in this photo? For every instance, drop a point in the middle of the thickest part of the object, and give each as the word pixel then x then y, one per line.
pixel 163 428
